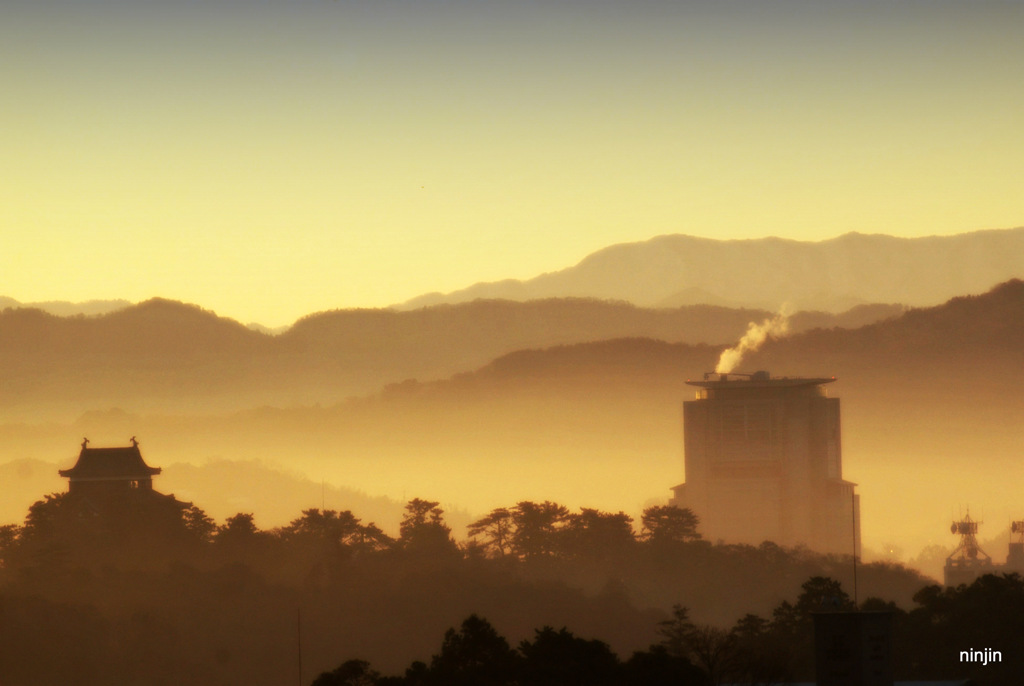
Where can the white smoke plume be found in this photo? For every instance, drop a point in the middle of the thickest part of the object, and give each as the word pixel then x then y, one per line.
pixel 755 336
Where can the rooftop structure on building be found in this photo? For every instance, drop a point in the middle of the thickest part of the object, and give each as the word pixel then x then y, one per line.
pixel 968 561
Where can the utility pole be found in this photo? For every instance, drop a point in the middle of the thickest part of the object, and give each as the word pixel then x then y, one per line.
pixel 853 508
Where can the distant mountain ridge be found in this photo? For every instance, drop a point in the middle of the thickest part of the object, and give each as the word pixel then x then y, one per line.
pixel 97 308
pixel 63 308
pixel 163 354
pixel 930 398
pixel 953 341
pixel 677 270
pixel 831 275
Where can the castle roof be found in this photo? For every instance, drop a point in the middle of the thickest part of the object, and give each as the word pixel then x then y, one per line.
pixel 96 464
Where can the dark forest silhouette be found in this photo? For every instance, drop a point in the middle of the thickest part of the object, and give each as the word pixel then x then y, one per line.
pixel 756 650
pixel 151 594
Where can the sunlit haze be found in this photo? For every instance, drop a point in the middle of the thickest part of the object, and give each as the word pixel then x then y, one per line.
pixel 270 159
pixel 347 339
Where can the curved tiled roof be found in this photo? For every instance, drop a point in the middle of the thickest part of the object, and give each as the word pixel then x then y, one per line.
pixel 110 463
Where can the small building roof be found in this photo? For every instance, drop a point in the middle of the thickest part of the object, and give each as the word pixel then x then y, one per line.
pixel 110 464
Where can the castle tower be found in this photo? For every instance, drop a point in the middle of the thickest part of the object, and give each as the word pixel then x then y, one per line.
pixel 107 471
pixel 763 462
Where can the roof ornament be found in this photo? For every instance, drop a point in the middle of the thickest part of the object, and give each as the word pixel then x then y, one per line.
pixel 85 442
pixel 135 444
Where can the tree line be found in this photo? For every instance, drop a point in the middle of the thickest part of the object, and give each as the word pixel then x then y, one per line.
pixel 61 525
pixel 148 590
pixel 756 651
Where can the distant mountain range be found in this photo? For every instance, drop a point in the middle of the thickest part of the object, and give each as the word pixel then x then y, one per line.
pixel 672 271
pixel 679 270
pixel 931 405
pixel 832 275
pixel 93 308
pixel 166 355
pixel 63 308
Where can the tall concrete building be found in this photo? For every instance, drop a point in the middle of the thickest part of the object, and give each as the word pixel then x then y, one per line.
pixel 764 463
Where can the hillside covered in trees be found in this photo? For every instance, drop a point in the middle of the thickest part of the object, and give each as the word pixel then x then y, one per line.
pixel 136 594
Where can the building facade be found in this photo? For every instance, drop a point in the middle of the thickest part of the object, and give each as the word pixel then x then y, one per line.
pixel 763 462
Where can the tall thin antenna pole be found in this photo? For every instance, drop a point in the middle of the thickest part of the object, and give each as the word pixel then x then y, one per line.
pixel 298 636
pixel 853 510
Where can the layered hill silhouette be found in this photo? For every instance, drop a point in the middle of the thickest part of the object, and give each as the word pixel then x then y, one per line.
pixel 64 308
pixel 831 275
pixel 931 420
pixel 163 355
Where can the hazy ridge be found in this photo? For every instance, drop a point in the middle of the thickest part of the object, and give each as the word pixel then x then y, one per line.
pixel 598 424
pixel 64 308
pixel 675 270
pixel 166 356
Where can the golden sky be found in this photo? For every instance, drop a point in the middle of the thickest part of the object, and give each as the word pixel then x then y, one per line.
pixel 270 159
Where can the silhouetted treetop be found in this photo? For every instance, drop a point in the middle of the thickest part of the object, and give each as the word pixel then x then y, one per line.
pixel 350 673
pixel 423 530
pixel 496 530
pixel 238 527
pixel 475 655
pixel 560 658
pixel 665 524
pixel 538 527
